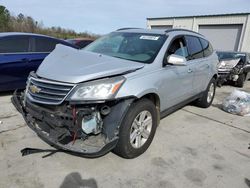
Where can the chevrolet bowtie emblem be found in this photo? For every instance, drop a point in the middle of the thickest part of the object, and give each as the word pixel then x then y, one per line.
pixel 34 89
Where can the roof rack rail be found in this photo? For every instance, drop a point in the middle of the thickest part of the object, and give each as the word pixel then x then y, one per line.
pixel 126 28
pixel 180 29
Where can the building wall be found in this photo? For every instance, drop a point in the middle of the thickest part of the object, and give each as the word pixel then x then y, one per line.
pixel 193 23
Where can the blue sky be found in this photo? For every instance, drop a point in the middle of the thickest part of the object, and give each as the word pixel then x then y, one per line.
pixel 103 16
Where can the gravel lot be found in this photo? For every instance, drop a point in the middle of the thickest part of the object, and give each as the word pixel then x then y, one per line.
pixel 193 147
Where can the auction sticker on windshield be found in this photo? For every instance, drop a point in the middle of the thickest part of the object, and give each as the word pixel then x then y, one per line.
pixel 148 37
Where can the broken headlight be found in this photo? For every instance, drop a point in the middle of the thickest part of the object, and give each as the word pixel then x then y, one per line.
pixel 97 90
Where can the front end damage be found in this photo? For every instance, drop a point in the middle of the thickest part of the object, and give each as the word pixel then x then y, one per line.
pixel 86 129
pixel 229 70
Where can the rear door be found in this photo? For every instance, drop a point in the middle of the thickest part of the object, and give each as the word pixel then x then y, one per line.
pixel 198 64
pixel 14 59
pixel 41 46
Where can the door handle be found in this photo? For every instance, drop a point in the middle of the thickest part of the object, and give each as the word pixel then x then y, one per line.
pixel 190 70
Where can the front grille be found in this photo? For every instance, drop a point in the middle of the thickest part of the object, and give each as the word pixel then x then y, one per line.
pixel 47 92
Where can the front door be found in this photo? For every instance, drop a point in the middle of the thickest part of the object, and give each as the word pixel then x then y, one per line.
pixel 177 83
pixel 13 61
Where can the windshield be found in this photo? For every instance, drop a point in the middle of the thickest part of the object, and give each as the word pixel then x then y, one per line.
pixel 231 55
pixel 130 46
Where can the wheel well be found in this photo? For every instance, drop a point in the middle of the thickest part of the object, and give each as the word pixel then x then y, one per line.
pixel 156 100
pixel 215 76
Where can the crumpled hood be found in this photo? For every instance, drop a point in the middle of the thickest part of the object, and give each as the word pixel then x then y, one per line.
pixel 228 63
pixel 66 64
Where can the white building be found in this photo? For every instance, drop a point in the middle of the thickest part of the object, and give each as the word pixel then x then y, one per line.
pixel 225 31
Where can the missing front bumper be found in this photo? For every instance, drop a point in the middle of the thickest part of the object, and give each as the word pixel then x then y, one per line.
pixel 229 75
pixel 55 127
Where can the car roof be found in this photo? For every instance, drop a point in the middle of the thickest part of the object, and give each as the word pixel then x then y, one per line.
pixel 174 31
pixel 5 34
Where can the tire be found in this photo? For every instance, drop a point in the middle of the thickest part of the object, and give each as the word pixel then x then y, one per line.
pixel 124 147
pixel 240 81
pixel 207 98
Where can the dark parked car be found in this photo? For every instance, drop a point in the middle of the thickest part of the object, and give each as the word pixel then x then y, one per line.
pixel 234 67
pixel 80 42
pixel 21 53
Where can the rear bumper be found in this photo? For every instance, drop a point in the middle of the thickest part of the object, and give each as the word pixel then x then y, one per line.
pixel 41 120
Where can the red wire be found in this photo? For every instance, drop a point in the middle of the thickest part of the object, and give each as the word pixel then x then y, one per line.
pixel 74 121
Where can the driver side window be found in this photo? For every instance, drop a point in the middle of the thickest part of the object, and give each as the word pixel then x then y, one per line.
pixel 178 47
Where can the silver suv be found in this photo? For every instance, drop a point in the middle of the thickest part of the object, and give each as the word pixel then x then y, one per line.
pixel 112 94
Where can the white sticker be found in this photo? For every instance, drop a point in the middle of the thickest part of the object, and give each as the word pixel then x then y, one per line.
pixel 148 37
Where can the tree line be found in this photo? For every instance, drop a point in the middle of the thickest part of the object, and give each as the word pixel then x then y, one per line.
pixel 22 23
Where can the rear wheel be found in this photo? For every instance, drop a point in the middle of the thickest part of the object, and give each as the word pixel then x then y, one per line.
pixel 137 129
pixel 240 81
pixel 208 96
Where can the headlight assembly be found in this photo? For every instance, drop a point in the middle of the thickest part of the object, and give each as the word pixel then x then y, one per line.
pixel 97 90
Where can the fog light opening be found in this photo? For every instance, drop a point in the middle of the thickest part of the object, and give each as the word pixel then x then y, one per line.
pixel 105 110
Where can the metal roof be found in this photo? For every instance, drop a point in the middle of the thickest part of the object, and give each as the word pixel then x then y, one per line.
pixel 159 31
pixel 137 30
pixel 206 15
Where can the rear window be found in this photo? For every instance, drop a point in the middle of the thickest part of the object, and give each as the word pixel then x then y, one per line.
pixel 45 44
pixel 207 47
pixel 14 45
pixel 194 47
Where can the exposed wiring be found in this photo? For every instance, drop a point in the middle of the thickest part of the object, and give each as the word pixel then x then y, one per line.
pixel 74 122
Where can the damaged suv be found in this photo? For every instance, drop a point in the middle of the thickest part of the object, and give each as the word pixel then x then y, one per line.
pixel 233 66
pixel 112 94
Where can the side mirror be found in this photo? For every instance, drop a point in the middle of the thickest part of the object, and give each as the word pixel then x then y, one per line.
pixel 176 60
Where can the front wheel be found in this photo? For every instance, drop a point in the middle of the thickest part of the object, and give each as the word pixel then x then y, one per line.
pixel 208 96
pixel 240 81
pixel 137 129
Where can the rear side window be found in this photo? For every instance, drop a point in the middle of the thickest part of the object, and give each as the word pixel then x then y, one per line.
pixel 45 44
pixel 207 47
pixel 82 44
pixel 194 47
pixel 14 45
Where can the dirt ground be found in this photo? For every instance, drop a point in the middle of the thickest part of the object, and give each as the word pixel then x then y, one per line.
pixel 193 147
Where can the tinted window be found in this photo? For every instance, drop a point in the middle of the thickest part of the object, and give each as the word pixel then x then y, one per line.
pixel 45 44
pixel 194 47
pixel 14 45
pixel 207 47
pixel 82 44
pixel 178 47
pixel 139 47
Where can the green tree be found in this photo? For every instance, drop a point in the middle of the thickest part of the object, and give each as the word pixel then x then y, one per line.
pixel 4 19
pixel 23 23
